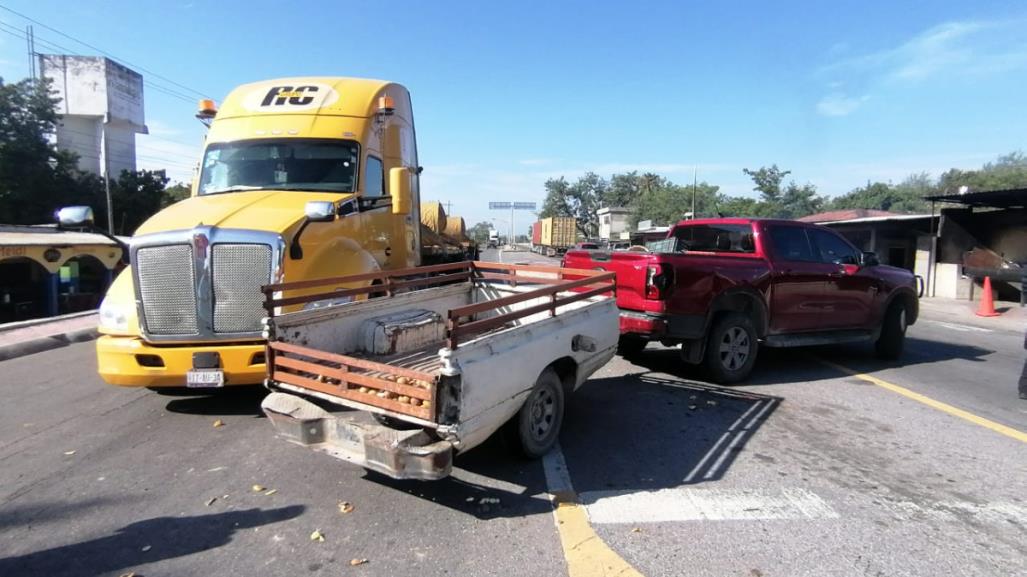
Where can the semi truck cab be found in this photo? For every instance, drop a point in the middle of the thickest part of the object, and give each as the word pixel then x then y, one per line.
pixel 300 178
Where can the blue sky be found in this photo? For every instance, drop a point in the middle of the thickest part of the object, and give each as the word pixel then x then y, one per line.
pixel 506 96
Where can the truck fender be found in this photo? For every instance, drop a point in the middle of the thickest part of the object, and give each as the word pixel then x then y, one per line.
pixel 745 300
pixel 340 257
pixel 909 297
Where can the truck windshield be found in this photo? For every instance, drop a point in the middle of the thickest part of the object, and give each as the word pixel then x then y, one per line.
pixel 280 164
pixel 715 238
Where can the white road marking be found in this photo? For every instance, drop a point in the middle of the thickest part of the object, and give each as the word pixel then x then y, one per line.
pixel 685 504
pixel 960 328
pixel 999 513
pixel 738 430
pixel 558 479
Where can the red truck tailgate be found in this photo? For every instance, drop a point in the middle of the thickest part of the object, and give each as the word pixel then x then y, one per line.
pixel 631 269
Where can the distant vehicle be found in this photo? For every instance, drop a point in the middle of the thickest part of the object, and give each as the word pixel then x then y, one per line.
pixel 587 246
pixel 722 287
pixel 556 235
pixel 493 238
pixel 620 245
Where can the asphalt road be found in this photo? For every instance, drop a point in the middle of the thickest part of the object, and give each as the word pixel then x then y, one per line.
pixel 807 470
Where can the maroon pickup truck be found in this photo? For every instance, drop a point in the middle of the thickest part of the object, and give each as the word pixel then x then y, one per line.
pixel 723 287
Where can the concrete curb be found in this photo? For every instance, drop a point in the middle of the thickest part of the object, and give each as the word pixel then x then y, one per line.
pixel 6 327
pixel 49 342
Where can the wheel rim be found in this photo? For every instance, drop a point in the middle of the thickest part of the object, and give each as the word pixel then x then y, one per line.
pixel 542 413
pixel 902 320
pixel 735 348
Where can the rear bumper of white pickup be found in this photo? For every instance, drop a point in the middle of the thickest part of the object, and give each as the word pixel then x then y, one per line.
pixel 348 435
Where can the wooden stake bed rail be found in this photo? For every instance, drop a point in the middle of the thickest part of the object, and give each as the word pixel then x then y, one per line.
pixel 396 389
pixel 406 391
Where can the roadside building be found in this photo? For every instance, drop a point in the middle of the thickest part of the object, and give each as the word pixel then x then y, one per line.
pixel 951 249
pixel 46 272
pixel 613 221
pixel 101 108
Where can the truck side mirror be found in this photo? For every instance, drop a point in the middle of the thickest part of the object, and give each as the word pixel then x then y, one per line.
pixel 869 259
pixel 75 216
pixel 320 211
pixel 399 189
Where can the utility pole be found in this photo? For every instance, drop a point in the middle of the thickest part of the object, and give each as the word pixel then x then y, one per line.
pixel 107 176
pixel 30 40
pixel 695 182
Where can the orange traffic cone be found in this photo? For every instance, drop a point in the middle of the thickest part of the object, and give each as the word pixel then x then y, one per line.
pixel 987 308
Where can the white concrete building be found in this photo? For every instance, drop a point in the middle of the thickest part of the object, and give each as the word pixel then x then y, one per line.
pixel 101 110
pixel 612 222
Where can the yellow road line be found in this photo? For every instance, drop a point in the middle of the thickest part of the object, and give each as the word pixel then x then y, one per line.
pixel 585 552
pixel 944 407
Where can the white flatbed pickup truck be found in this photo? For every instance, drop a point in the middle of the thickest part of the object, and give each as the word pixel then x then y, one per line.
pixel 399 383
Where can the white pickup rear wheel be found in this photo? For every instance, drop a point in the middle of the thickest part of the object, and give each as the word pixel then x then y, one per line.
pixel 536 427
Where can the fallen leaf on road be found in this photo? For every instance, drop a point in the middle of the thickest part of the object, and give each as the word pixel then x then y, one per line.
pixel 636 530
pixel 69 453
pixel 146 548
pixel 271 492
pixel 131 574
pixel 211 501
pixel 345 507
pixel 691 407
pixel 259 488
pixel 355 562
pixel 219 423
pixel 317 536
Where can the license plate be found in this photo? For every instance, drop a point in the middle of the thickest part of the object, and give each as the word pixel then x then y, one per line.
pixel 204 378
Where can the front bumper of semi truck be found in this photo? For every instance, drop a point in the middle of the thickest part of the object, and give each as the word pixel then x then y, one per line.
pixel 132 362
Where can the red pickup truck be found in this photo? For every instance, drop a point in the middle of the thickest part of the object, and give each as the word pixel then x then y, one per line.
pixel 723 287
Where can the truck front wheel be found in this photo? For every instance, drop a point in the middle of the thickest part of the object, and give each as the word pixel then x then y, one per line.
pixel 536 427
pixel 731 349
pixel 893 332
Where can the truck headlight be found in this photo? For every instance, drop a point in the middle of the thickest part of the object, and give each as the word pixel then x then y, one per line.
pixel 114 316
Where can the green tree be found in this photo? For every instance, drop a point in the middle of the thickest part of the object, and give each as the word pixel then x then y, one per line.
pixel 624 190
pixel 136 197
pixel 35 177
pixel 175 193
pixel 585 195
pixel 557 201
pixel 479 233
pixel 767 182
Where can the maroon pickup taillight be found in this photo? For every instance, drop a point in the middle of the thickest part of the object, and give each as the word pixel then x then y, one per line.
pixel 659 278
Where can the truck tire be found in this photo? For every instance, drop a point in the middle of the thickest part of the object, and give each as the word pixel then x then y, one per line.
pixel 629 345
pixel 536 427
pixel 890 343
pixel 731 349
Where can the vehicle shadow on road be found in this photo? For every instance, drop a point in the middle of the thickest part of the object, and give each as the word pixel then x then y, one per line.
pixel 487 483
pixel 230 401
pixel 644 431
pixel 805 364
pixel 144 542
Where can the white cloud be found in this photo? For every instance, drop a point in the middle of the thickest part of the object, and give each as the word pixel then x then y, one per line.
pixel 535 161
pixel 838 104
pixel 970 47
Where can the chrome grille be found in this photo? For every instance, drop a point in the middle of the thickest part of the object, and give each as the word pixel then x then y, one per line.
pixel 167 289
pixel 239 270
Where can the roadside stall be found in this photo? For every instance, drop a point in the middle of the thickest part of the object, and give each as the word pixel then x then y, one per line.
pixel 46 272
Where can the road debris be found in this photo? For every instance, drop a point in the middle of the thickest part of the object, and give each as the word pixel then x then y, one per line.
pixel 270 492
pixel 259 488
pixel 317 536
pixel 636 529
pixel 129 574
pixel 146 548
pixel 345 507
pixel 219 423
pixel 211 501
pixel 69 453
pixel 355 562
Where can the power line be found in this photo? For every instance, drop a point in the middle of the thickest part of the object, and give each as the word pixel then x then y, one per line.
pixel 104 52
pixel 50 45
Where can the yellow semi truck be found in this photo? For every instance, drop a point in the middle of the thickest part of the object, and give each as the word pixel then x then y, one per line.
pixel 300 178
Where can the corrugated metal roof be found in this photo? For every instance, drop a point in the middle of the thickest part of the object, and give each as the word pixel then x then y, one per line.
pixel 1009 198
pixel 894 217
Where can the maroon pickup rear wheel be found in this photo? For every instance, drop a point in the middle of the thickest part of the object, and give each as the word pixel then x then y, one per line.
pixel 731 349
